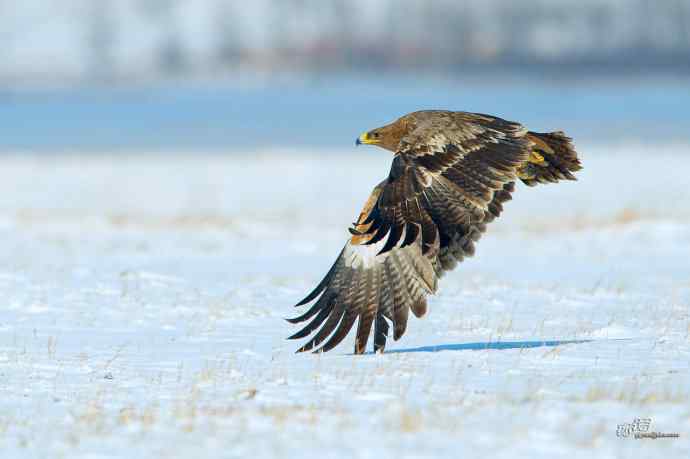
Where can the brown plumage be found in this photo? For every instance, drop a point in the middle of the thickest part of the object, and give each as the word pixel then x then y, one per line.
pixel 451 174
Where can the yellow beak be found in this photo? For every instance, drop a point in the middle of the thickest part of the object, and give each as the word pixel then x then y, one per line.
pixel 365 139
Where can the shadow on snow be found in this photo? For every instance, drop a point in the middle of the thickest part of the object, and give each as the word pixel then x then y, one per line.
pixel 498 345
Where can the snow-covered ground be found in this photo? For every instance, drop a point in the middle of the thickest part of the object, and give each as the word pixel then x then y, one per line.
pixel 143 297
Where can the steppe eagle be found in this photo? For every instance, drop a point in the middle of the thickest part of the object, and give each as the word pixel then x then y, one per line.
pixel 451 174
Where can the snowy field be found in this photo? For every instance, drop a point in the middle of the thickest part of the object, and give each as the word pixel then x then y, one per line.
pixel 143 300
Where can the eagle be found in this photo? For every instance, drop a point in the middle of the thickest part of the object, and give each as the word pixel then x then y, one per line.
pixel 451 174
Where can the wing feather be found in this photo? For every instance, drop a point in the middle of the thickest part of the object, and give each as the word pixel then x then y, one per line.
pixel 400 299
pixel 331 318
pixel 323 311
pixel 368 311
pixel 357 295
pixel 380 333
pixel 385 310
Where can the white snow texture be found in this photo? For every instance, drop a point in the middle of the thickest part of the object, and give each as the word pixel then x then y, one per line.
pixel 143 299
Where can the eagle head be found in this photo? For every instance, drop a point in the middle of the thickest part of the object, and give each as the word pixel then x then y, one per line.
pixel 387 136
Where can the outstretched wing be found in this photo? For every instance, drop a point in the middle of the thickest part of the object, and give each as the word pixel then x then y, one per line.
pixel 449 178
pixel 369 288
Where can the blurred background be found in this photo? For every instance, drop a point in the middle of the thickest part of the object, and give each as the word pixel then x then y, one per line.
pixel 147 75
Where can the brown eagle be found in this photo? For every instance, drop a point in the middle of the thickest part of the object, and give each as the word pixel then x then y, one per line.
pixel 451 174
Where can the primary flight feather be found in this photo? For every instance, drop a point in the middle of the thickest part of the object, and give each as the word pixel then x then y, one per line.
pixel 451 174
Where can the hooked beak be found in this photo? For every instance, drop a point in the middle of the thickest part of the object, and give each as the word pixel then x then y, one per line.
pixel 364 139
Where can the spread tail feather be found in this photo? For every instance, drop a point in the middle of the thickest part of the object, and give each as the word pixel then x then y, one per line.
pixel 553 158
